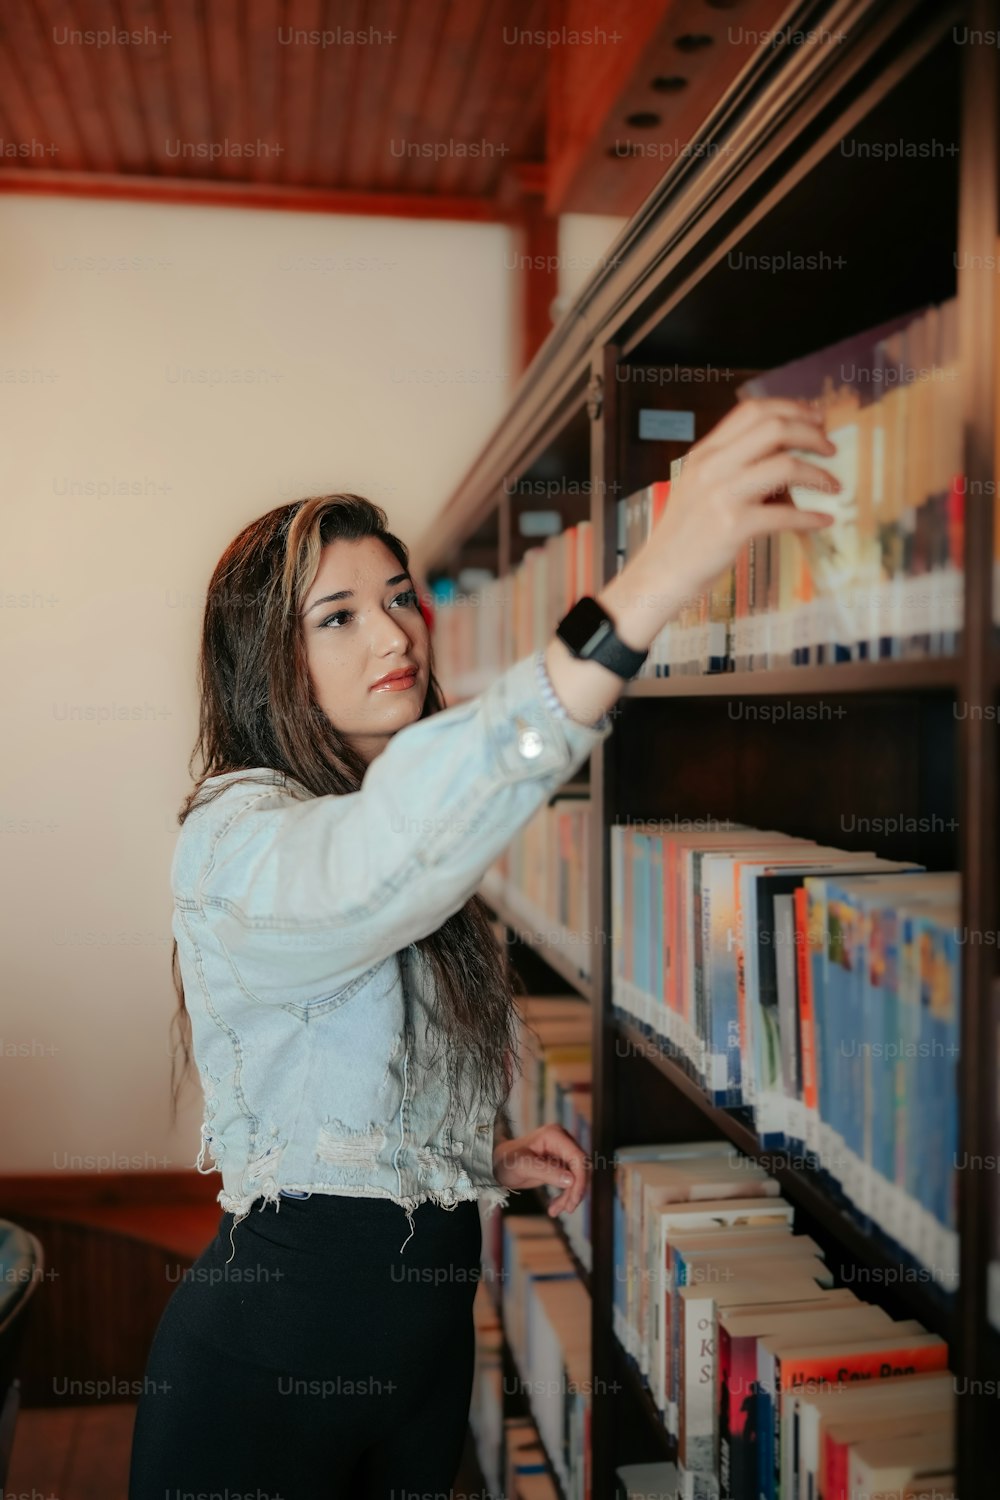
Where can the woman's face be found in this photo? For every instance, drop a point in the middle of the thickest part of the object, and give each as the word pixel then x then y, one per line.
pixel 373 627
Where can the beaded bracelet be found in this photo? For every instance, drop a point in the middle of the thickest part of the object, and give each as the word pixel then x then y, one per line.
pixel 553 701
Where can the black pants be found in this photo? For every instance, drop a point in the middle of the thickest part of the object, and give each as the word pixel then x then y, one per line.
pixel 321 1363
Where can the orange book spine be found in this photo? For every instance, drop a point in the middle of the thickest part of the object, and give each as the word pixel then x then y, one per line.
pixel 807 1019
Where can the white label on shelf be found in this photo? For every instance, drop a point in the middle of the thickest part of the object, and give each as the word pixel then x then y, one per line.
pixel 666 426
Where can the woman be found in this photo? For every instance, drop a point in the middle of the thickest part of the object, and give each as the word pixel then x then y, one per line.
pixel 348 1008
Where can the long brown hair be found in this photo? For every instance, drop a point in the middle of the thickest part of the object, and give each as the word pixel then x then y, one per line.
pixel 258 709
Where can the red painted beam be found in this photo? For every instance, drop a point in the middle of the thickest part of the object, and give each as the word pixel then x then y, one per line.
pixel 260 195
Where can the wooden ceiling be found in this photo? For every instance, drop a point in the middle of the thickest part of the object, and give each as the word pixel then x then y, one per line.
pixel 373 96
pixel 442 108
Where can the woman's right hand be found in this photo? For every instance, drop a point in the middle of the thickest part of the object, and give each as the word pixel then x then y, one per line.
pixel 728 491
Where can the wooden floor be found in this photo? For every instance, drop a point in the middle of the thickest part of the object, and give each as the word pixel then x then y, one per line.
pixel 75 1452
pixel 82 1453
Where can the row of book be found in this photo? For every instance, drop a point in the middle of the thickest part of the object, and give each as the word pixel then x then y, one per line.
pixel 816 988
pixel 469 637
pixel 510 1452
pixel 486 1405
pixel 546 1320
pixel 508 618
pixel 553 1086
pixel 548 581
pixel 698 639
pixel 775 1383
pixel 543 872
pixel 886 579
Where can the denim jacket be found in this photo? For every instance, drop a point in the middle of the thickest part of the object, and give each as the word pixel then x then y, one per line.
pixel 296 918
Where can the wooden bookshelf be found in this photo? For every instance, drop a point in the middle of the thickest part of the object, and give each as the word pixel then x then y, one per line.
pixel 920 735
pixel 942 673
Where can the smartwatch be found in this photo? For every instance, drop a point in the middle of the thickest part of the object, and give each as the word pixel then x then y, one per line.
pixel 589 632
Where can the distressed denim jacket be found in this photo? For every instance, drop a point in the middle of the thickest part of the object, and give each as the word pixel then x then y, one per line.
pixel 296 918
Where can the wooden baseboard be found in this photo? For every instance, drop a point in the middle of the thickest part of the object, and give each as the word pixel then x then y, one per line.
pixel 63 1192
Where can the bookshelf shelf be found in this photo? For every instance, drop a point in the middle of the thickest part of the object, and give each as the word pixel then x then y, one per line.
pixel 805 1190
pixel 942 674
pixel 559 947
pixel 789 169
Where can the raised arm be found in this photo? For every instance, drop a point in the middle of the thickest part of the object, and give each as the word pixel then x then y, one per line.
pixel 307 895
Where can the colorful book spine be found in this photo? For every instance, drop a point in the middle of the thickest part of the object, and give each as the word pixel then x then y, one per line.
pixel 886 578
pixel 546 867
pixel 817 989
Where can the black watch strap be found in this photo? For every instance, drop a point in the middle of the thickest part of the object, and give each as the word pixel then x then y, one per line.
pixel 589 632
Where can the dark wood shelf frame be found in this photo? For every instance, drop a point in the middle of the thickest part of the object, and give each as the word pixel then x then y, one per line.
pixel 926 673
pixel 662 298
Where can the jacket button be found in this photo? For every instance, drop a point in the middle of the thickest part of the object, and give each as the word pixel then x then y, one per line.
pixel 529 742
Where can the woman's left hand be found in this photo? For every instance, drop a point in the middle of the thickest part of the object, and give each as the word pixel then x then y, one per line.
pixel 548 1154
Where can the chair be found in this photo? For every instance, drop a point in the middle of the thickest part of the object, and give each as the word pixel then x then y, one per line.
pixel 22 1262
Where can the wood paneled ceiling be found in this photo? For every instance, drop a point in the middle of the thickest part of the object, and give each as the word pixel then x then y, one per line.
pixel 372 96
pixel 437 108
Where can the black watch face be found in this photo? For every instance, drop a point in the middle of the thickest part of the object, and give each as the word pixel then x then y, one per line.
pixel 585 620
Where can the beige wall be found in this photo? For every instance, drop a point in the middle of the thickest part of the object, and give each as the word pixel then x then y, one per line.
pixel 123 480
pixel 586 244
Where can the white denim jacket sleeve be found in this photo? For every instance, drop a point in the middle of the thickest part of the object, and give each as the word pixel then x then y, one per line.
pixel 308 894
